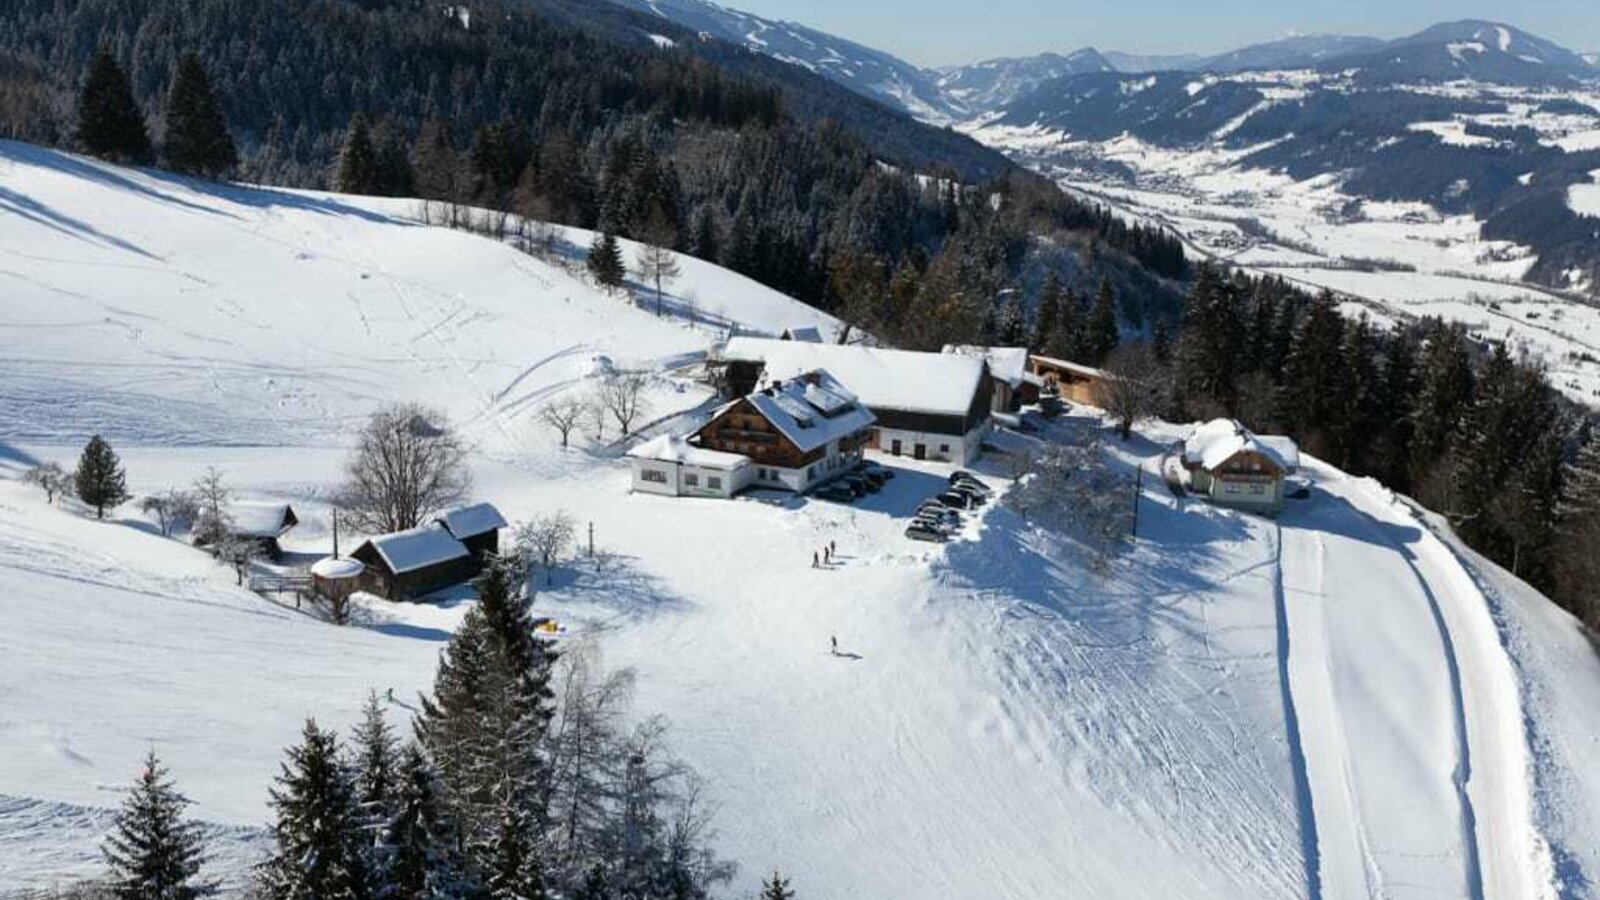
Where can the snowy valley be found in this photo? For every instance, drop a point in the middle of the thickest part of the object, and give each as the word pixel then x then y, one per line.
pixel 1340 702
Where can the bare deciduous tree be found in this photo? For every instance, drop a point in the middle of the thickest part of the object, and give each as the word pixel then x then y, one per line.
pixel 50 478
pixel 408 463
pixel 563 415
pixel 1074 491
pixel 1132 392
pixel 622 395
pixel 237 552
pixel 171 508
pixel 543 540
pixel 211 496
pixel 658 267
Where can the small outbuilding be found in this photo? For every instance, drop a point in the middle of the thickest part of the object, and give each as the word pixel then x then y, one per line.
pixel 263 524
pixel 1234 467
pixel 477 526
pixel 407 565
pixel 671 466
pixel 336 578
pixel 1072 381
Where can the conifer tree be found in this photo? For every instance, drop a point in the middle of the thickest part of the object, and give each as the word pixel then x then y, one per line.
pixel 1446 388
pixel 1206 360
pixel 605 262
pixel 776 888
pixel 101 482
pixel 320 843
pixel 488 722
pixel 1045 321
pixel 1577 565
pixel 197 141
pixel 110 124
pixel 1102 335
pixel 152 853
pixel 1161 342
pixel 374 761
pixel 357 172
pixel 421 840
pixel 1314 388
pixel 1394 406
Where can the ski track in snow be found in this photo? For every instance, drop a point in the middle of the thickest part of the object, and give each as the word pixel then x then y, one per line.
pixel 1369 790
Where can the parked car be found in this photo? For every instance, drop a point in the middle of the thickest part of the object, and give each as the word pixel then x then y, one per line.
pixel 861 484
pixel 978 497
pixel 936 524
pixel 956 501
pixel 873 468
pixel 922 533
pixel 875 476
pixel 967 479
pixel 837 492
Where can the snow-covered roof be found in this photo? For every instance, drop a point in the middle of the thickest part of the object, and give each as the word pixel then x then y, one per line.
pixel 812 410
pixel 429 545
pixel 809 334
pixel 338 568
pixel 1068 366
pixel 1008 364
pixel 670 448
pixel 470 521
pixel 1220 440
pixel 259 520
pixel 882 379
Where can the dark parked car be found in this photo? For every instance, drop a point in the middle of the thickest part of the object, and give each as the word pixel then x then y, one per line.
pixel 875 476
pixel 956 501
pixel 861 484
pixel 839 493
pixel 872 468
pixel 978 497
pixel 921 533
pixel 967 479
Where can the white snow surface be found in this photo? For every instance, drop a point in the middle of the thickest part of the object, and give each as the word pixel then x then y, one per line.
pixel 882 378
pixel 1335 703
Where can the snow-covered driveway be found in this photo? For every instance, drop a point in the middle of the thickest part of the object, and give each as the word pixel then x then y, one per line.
pixel 1408 709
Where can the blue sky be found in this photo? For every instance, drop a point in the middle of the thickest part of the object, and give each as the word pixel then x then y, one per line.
pixel 942 32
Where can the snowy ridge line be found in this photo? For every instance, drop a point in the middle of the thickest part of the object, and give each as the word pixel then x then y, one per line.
pixel 1309 839
pixel 1509 856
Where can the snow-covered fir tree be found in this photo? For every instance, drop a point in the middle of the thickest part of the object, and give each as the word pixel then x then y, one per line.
pixel 487 723
pixel 100 480
pixel 152 853
pixel 321 846
pixel 420 840
pixel 776 888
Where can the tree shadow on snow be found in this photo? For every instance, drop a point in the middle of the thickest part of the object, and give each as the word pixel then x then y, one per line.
pixel 613 584
pixel 12 456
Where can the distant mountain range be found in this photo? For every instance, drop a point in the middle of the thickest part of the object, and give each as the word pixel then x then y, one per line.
pixel 1477 50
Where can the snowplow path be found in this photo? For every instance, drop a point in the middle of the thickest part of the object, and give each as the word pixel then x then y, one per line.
pixel 1342 863
pixel 1376 690
pixel 1513 858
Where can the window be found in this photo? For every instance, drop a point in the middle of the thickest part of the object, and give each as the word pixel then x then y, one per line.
pixel 653 475
pixel 1258 489
pixel 691 480
pixel 1229 487
pixel 944 448
pixel 714 483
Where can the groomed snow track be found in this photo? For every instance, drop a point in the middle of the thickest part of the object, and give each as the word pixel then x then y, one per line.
pixel 1415 752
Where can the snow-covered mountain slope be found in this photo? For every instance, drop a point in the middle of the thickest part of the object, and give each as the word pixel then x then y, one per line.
pixel 1294 52
pixel 993 83
pixel 1150 62
pixel 1463 200
pixel 229 315
pixel 874 73
pixel 1234 708
pixel 1471 49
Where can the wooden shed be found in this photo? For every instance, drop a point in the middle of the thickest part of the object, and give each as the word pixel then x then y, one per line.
pixel 407 565
pixel 477 526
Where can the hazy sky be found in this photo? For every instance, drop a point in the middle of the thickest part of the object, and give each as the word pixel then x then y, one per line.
pixel 943 32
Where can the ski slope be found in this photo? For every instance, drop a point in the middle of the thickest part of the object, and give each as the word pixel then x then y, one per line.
pixel 1340 703
pixel 231 315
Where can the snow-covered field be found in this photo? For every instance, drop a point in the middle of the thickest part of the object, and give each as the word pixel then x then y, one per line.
pixel 1334 704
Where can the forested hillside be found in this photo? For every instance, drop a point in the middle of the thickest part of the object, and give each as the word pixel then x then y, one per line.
pixel 590 115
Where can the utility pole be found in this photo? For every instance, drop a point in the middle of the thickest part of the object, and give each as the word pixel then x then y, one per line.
pixel 591 540
pixel 1138 490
